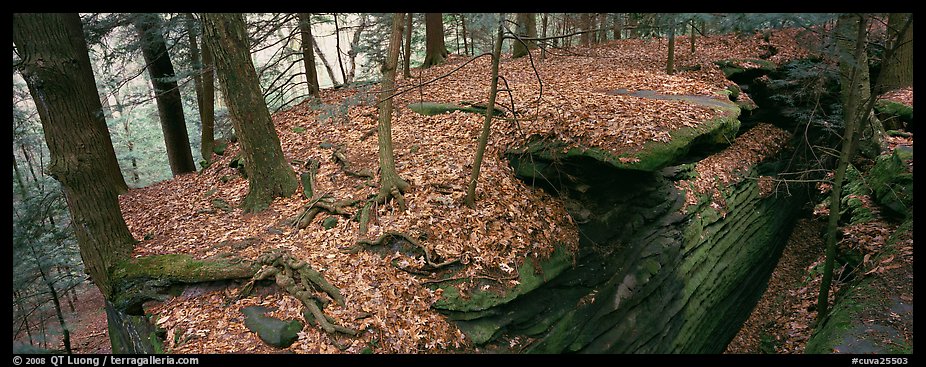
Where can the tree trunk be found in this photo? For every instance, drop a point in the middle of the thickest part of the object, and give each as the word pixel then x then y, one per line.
pixel 337 47
pixel 354 42
pixel 543 34
pixel 269 175
pixel 56 67
pixel 616 26
pixel 851 105
pixel 308 57
pixel 56 301
pixel 19 179
pixel 670 60
pixel 391 184
pixel 207 108
pixel 167 94
pixel 435 50
pixel 195 60
pixel 129 144
pixel 205 91
pixel 470 199
pixel 466 50
pixel 602 27
pixel 898 70
pixel 406 65
pixel 527 27
pixel 693 35
pixel 321 55
pixel 586 20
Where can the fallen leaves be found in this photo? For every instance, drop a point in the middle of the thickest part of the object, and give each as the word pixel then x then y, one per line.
pixel 511 222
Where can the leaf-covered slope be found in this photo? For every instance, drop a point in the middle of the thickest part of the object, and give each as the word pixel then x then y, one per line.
pixel 511 222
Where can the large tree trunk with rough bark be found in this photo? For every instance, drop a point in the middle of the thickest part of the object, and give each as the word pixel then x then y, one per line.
pixel 435 50
pixel 56 67
pixel 308 56
pixel 898 70
pixel 470 199
pixel 527 28
pixel 269 175
pixel 391 184
pixel 167 94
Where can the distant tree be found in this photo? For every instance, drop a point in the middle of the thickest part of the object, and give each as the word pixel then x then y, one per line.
pixel 204 80
pixel 207 107
pixel 435 50
pixel 670 60
pixel 617 25
pixel 602 27
pixel 527 28
pixel 56 67
pixel 470 199
pixel 406 64
pixel 586 23
pixel 269 175
pixel 308 56
pixel 167 94
pixel 390 183
pixel 463 30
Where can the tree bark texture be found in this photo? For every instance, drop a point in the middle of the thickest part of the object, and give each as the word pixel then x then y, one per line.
pixel 269 175
pixel 898 70
pixel 167 94
pixel 56 67
pixel 527 27
pixel 435 50
pixel 308 56
pixel 389 178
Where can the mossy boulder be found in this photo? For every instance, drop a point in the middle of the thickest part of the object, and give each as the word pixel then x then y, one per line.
pixel 891 180
pixel 744 69
pixel 894 115
pixel 273 331
pixel 653 156
pixel 531 275
pixel 330 222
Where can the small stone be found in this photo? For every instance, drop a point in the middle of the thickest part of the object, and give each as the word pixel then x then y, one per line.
pixel 271 330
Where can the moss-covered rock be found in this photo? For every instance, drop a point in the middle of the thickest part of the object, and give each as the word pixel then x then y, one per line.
pixel 891 180
pixel 273 331
pixel 533 160
pixel 743 69
pixel 530 276
pixel 330 222
pixel 894 115
pixel 649 277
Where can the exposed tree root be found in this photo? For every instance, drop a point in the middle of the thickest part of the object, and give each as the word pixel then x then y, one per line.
pixel 339 156
pixel 300 280
pixel 320 204
pixel 387 238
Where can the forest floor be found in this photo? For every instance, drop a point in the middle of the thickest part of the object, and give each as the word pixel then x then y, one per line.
pixel 196 213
